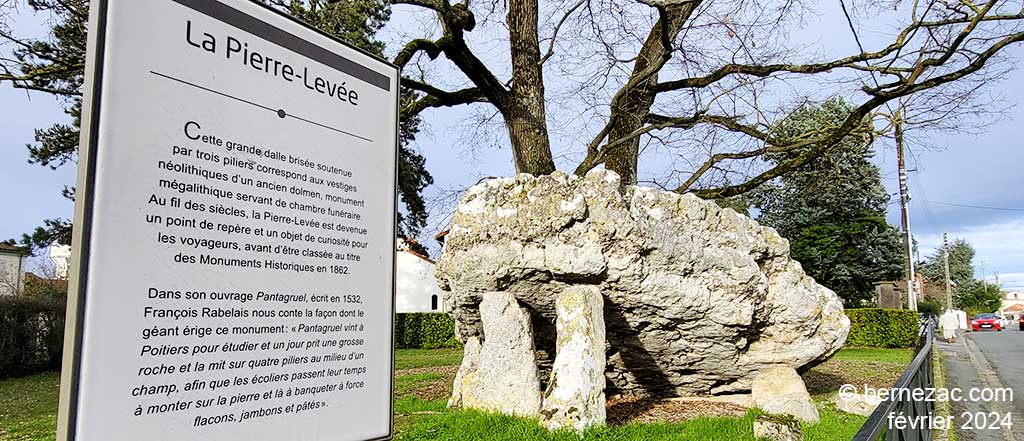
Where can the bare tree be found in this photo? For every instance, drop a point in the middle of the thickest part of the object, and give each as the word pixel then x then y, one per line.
pixel 11 283
pixel 704 80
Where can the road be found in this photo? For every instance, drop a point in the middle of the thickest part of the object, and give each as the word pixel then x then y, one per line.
pixel 986 360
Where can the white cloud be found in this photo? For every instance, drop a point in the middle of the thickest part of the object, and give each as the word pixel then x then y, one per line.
pixel 1000 246
pixel 1010 281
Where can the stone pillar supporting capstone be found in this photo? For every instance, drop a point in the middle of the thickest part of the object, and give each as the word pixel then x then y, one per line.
pixel 575 395
pixel 500 374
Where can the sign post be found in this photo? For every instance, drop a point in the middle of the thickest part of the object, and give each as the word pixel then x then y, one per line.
pixel 233 272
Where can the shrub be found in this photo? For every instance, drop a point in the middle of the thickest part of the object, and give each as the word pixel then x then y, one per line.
pixel 53 289
pixel 929 307
pixel 31 335
pixel 882 328
pixel 425 331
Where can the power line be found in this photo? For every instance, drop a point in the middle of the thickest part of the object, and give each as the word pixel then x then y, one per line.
pixel 980 207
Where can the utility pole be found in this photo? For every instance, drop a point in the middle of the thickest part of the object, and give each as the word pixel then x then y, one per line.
pixel 984 283
pixel 908 243
pixel 945 262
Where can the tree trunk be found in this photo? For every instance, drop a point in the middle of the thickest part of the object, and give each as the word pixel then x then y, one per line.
pixel 630 113
pixel 528 132
pixel 623 158
pixel 525 116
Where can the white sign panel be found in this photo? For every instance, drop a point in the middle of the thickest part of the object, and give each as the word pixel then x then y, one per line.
pixel 235 267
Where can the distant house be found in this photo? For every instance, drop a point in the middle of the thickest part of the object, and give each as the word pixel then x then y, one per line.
pixel 417 290
pixel 1012 308
pixel 61 257
pixel 13 261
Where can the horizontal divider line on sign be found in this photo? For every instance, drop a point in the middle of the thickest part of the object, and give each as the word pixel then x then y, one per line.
pixel 280 112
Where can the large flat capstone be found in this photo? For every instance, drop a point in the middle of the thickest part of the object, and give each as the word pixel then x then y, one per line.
pixel 697 299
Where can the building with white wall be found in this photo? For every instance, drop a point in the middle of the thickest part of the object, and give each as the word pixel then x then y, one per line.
pixel 417 289
pixel 13 262
pixel 61 257
pixel 1012 308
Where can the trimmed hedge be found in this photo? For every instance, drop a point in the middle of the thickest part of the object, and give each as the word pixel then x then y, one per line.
pixel 882 328
pixel 425 331
pixel 31 335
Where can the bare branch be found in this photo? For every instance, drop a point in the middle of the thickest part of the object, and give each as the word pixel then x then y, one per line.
pixel 431 48
pixel 438 98
pixel 827 142
pixel 554 34
pixel 440 6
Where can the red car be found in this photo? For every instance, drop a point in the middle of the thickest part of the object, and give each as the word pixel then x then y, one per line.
pixel 987 322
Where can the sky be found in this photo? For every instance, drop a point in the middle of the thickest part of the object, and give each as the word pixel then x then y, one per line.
pixel 29 193
pixel 947 172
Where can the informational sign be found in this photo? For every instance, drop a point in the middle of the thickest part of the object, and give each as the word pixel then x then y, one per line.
pixel 233 276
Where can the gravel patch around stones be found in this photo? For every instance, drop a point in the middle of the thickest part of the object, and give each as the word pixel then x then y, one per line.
pixel 443 370
pixel 434 390
pixel 437 389
pixel 642 410
pixel 620 410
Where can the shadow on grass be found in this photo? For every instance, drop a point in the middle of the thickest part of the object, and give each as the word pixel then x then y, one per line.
pixel 821 383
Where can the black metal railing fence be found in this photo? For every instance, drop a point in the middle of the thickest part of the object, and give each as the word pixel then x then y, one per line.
pixel 917 376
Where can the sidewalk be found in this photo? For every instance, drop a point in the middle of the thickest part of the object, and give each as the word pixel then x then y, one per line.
pixel 966 368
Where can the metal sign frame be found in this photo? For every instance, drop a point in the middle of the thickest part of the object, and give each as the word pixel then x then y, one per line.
pixel 77 298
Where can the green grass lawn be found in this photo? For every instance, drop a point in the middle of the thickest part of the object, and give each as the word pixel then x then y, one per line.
pixel 857 366
pixel 28 406
pixel 431 420
pixel 876 354
pixel 421 358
